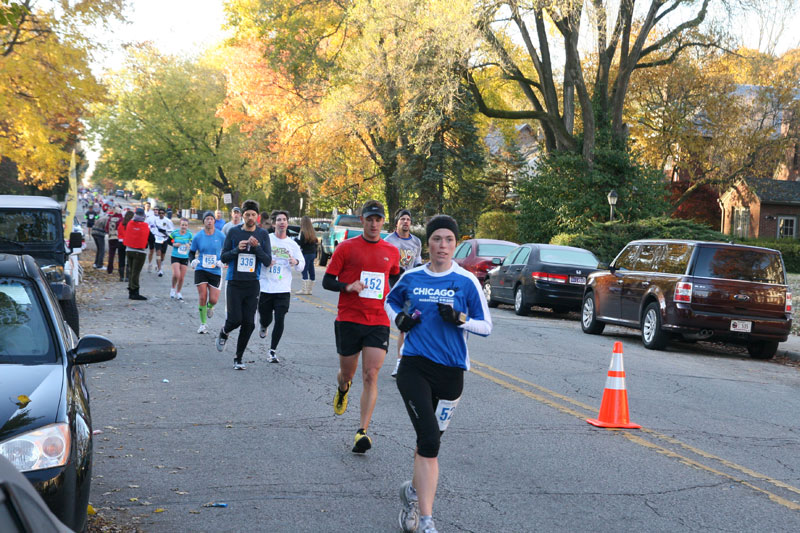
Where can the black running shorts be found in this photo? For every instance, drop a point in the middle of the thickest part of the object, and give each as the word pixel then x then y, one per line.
pixel 151 242
pixel 182 260
pixel 202 276
pixel 352 337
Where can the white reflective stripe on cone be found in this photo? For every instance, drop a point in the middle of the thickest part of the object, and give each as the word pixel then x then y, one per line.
pixel 615 383
pixel 616 363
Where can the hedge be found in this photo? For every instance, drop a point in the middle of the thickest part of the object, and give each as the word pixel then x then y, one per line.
pixel 607 239
pixel 497 225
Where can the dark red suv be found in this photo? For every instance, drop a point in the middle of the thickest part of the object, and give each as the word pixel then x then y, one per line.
pixel 698 290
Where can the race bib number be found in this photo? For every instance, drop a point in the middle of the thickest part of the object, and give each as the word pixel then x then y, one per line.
pixel 183 249
pixel 246 263
pixel 444 412
pixel 373 285
pixel 209 261
pixel 275 271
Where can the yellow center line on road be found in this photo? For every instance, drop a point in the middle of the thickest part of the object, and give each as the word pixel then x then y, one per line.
pixel 641 441
pixel 636 439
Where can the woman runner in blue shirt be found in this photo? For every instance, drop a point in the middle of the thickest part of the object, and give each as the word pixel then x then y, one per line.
pixel 181 242
pixel 437 305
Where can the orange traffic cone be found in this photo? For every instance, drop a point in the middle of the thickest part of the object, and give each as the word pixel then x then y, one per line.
pixel 614 408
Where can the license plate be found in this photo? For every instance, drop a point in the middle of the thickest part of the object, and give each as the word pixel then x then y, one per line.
pixel 743 326
pixel 577 280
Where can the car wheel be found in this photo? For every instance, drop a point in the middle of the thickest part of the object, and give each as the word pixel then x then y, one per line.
pixel 652 335
pixel 762 349
pixel 70 310
pixel 323 257
pixel 487 291
pixel 521 307
pixel 589 322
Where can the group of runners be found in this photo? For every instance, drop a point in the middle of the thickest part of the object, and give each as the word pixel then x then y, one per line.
pixel 433 305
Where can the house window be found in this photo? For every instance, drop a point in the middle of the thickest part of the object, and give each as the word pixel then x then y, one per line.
pixel 787 227
pixel 741 222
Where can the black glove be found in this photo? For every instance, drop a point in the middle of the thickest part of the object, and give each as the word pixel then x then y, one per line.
pixel 449 314
pixel 404 322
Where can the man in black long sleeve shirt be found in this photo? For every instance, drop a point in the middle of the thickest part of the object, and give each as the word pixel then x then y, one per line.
pixel 246 251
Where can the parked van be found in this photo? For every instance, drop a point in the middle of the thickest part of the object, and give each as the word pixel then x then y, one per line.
pixel 698 290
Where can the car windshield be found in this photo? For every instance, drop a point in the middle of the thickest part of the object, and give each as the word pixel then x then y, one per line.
pixel 739 264
pixel 565 256
pixel 494 250
pixel 20 317
pixel 29 226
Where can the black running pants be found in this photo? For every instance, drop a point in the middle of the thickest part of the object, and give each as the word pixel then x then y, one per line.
pixel 242 298
pixel 277 303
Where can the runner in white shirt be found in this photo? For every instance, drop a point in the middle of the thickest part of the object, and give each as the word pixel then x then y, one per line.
pixel 150 218
pixel 161 227
pixel 276 281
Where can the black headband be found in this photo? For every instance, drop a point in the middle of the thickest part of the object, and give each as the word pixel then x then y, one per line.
pixel 439 222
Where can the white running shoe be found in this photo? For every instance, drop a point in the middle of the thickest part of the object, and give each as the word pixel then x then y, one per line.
pixel 426 525
pixel 160 273
pixel 149 267
pixel 209 312
pixel 272 358
pixel 178 296
pixel 202 329
pixel 172 293
pixel 409 514
pixel 396 367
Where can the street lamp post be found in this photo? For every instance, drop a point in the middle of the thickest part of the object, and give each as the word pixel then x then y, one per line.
pixel 612 201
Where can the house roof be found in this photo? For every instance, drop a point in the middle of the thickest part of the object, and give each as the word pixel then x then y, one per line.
pixel 775 191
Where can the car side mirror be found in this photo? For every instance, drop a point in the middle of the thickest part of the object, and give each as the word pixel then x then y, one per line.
pixel 496 261
pixel 75 240
pixel 93 349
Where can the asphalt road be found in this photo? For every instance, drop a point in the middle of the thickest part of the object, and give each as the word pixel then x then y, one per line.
pixel 718 449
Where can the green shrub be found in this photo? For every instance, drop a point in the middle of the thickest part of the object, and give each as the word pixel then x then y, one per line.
pixel 789 248
pixel 497 225
pixel 607 239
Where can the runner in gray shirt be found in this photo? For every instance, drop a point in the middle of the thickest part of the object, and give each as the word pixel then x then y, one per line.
pixel 410 249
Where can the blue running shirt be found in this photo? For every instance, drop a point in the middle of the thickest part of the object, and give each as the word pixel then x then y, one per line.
pixel 181 243
pixel 208 246
pixel 441 342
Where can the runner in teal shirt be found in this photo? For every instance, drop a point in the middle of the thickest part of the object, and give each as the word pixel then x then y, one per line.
pixel 181 243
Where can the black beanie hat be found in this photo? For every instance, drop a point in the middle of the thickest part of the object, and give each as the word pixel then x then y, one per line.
pixel 400 212
pixel 250 205
pixel 439 222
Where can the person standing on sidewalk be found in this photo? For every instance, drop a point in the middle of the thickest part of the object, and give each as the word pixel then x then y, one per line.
pixel 437 306
pixel 359 271
pixel 410 248
pixel 99 236
pixel 204 254
pixel 246 251
pixel 181 243
pixel 121 249
pixel 276 282
pixel 308 245
pixel 137 233
pixel 112 230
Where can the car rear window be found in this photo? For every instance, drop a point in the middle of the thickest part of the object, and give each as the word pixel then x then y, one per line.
pixel 350 222
pixel 20 317
pixel 29 225
pixel 739 264
pixel 583 258
pixel 494 250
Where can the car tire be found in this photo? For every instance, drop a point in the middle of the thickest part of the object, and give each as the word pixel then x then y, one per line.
pixel 521 306
pixel 323 257
pixel 762 349
pixel 70 310
pixel 589 322
pixel 487 292
pixel 653 337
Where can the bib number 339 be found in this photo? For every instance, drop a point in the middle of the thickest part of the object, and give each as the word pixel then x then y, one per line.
pixel 444 412
pixel 373 285
pixel 246 263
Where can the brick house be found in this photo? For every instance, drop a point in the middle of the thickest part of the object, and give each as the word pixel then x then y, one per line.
pixel 761 208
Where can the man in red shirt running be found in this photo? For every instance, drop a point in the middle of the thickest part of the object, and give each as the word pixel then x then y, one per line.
pixel 359 270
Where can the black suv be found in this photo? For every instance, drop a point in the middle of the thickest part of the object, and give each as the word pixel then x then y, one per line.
pixel 33 225
pixel 696 290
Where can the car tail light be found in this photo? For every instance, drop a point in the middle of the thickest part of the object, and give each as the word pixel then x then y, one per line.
pixel 788 301
pixel 483 266
pixel 553 278
pixel 345 234
pixel 683 292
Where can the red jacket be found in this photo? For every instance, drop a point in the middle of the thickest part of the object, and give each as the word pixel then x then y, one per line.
pixel 136 234
pixel 121 233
